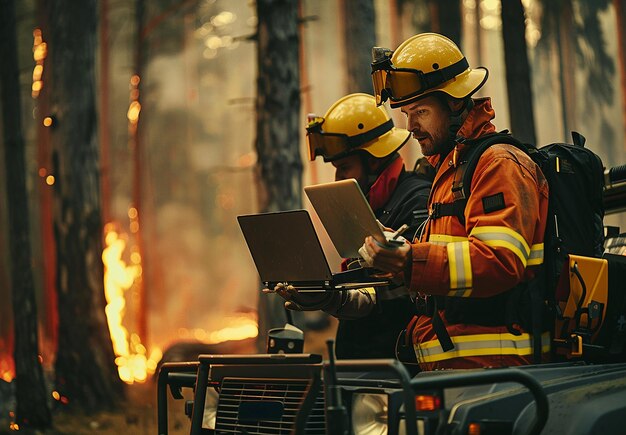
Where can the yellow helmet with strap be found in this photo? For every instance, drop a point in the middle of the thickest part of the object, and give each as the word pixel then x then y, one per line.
pixel 421 65
pixel 354 123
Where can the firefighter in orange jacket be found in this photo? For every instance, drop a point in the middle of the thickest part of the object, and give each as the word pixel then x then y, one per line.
pixel 465 269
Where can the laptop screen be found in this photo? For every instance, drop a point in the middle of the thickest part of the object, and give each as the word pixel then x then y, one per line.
pixel 346 215
pixel 285 247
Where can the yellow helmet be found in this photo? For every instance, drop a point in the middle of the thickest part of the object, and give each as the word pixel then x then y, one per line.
pixel 354 123
pixel 421 65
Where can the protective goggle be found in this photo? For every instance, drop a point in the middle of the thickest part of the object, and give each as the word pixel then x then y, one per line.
pixel 332 146
pixel 398 84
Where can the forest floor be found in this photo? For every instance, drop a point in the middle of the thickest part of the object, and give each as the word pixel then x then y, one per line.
pixel 137 415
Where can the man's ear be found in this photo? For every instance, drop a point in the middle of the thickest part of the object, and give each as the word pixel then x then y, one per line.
pixel 374 164
pixel 455 104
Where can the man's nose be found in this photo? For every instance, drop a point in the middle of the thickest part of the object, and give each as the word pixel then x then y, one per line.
pixel 412 123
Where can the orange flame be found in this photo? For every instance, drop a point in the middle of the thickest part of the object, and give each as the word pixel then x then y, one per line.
pixel 133 364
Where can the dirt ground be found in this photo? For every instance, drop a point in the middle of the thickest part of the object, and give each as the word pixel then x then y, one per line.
pixel 138 415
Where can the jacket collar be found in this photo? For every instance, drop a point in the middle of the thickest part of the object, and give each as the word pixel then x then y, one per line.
pixel 385 184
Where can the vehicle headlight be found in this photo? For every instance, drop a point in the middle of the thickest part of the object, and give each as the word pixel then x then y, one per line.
pixel 369 413
pixel 210 409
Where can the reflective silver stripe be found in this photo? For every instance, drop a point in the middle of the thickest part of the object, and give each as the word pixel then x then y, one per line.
pixel 480 345
pixel 536 254
pixel 460 265
pixel 386 293
pixel 503 237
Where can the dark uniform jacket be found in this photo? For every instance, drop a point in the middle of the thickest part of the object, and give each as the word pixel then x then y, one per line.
pixel 396 197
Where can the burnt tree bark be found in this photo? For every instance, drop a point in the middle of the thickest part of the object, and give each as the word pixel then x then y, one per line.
pixel 278 105
pixel 85 369
pixel 278 124
pixel 32 408
pixel 359 28
pixel 519 89
pixel 439 16
pixel 557 25
pixel 446 18
pixel 620 14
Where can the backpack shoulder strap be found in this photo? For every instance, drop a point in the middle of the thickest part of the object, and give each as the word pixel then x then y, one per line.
pixel 469 160
pixel 462 183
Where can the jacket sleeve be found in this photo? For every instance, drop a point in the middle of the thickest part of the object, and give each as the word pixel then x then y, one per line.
pixel 504 222
pixel 351 304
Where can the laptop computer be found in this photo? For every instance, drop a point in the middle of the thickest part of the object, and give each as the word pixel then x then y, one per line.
pixel 285 248
pixel 346 215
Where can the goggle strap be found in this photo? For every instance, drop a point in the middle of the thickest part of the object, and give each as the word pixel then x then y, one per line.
pixel 435 78
pixel 360 139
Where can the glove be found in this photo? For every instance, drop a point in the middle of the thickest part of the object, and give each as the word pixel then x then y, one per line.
pixel 297 301
pixel 391 244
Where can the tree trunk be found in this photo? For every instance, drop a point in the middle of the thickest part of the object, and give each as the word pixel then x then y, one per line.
pixel 439 16
pixel 560 19
pixel 519 88
pixel 620 13
pixel 359 28
pixel 46 246
pixel 279 167
pixel 85 369
pixel 137 191
pixel 566 44
pixel 32 408
pixel 446 18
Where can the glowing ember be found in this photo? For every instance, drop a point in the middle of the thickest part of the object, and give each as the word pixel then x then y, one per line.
pixel 40 51
pixel 7 371
pixel 132 362
pixel 133 112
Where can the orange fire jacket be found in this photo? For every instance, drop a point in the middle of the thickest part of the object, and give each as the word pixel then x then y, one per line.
pixel 488 255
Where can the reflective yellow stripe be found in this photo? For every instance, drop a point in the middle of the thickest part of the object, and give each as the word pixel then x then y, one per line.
pixel 503 237
pixel 536 254
pixel 444 239
pixel 480 345
pixel 502 230
pixel 460 266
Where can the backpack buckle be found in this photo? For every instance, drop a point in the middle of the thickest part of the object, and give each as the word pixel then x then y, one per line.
pixel 457 191
pixel 435 210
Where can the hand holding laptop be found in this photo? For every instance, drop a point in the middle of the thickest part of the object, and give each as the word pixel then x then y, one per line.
pixel 297 301
pixel 392 260
pixel 394 240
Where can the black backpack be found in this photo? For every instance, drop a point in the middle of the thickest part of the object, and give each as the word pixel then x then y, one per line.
pixel 575 177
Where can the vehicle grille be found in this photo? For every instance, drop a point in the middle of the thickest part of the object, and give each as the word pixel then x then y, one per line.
pixel 289 393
